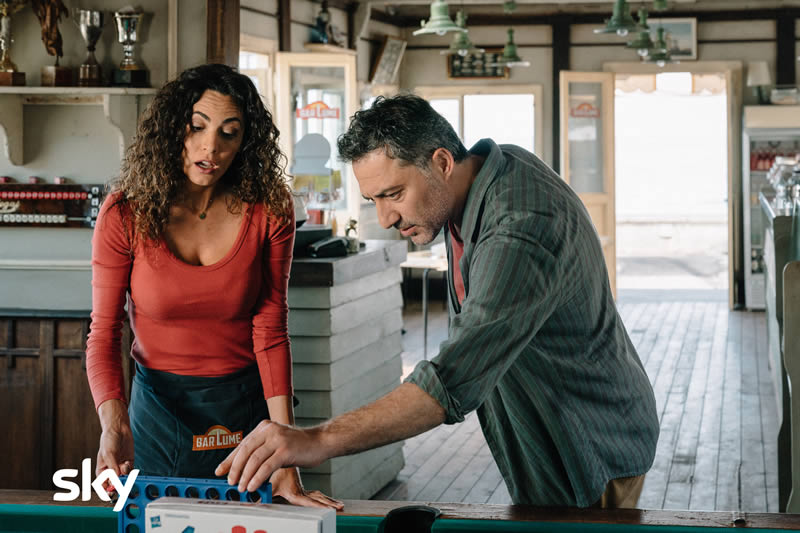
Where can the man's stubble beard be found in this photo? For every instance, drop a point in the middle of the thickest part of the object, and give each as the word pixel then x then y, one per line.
pixel 437 212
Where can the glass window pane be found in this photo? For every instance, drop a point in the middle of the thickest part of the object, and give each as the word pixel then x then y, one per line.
pixel 505 118
pixel 448 108
pixel 585 137
pixel 318 107
pixel 252 60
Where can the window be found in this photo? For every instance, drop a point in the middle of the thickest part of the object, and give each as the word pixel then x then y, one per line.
pixel 506 114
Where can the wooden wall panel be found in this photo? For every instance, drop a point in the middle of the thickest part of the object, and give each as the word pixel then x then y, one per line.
pixel 70 334
pixel 27 333
pixel 45 399
pixel 20 398
pixel 75 419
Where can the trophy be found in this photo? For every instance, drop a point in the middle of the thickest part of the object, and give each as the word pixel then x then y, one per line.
pixel 9 75
pixel 90 74
pixel 130 74
pixel 49 14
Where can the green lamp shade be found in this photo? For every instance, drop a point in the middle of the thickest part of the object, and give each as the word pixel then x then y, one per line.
pixel 461 43
pixel 660 46
pixel 440 22
pixel 643 44
pixel 510 58
pixel 462 46
pixel 621 21
pixel 659 5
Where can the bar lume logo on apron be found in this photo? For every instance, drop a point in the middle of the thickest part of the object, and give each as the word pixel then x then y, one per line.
pixel 216 438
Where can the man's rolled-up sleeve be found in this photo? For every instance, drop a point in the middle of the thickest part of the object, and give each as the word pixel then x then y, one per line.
pixel 512 291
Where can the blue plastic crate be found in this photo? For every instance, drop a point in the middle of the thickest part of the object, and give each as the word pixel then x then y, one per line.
pixel 148 488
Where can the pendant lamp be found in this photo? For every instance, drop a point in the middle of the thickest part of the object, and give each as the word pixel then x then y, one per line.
pixel 643 43
pixel 510 58
pixel 462 45
pixel 621 21
pixel 440 22
pixel 659 54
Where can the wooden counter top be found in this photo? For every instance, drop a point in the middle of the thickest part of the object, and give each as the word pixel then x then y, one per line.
pixel 326 272
pixel 522 513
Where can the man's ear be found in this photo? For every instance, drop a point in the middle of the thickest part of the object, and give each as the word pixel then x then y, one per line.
pixel 443 163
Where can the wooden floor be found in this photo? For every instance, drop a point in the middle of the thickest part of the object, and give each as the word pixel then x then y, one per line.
pixel 708 366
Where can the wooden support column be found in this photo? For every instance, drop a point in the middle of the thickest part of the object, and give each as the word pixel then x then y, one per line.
pixel 352 34
pixel 284 26
pixel 222 32
pixel 561 46
pixel 47 419
pixel 785 53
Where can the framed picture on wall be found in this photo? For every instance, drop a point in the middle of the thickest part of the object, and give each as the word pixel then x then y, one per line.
pixel 680 34
pixel 386 65
pixel 475 66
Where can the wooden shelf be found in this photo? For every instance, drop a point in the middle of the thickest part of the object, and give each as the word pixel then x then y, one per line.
pixel 92 91
pixel 120 106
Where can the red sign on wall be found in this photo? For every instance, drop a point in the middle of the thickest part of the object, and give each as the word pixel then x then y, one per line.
pixel 584 110
pixel 317 110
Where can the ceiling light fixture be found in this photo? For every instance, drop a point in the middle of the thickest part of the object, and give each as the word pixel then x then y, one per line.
pixel 659 5
pixel 659 54
pixel 621 21
pixel 510 58
pixel 440 22
pixel 462 45
pixel 643 43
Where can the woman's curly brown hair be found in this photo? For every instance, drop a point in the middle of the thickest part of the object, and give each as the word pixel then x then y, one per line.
pixel 152 177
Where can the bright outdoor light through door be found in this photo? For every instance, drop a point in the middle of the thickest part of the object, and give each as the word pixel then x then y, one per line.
pixel 671 168
pixel 505 118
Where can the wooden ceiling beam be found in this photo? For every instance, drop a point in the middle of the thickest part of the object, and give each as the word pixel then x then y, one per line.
pixel 478 19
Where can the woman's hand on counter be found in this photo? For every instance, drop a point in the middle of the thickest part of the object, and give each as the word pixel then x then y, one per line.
pixel 116 440
pixel 286 484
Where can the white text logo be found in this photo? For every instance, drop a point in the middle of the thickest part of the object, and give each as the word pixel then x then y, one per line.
pixel 84 490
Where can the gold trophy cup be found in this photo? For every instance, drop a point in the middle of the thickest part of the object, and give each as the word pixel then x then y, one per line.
pixel 9 75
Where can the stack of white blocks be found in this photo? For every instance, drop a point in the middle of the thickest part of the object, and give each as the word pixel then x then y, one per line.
pixel 346 349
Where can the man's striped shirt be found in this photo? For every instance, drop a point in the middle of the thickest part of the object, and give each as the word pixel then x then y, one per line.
pixel 538 347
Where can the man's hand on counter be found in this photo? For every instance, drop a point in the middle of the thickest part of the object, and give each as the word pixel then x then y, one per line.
pixel 401 414
pixel 267 448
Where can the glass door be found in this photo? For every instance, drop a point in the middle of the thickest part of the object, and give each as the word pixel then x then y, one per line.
pixel 315 99
pixel 587 152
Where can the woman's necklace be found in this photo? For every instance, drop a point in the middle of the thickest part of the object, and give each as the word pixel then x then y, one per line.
pixel 204 212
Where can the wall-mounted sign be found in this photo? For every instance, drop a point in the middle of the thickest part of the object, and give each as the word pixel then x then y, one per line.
pixel 477 65
pixel 50 205
pixel 584 110
pixel 317 110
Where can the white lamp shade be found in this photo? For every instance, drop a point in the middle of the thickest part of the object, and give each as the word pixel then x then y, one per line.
pixel 758 74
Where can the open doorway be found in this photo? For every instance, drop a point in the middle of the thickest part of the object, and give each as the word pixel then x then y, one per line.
pixel 671 138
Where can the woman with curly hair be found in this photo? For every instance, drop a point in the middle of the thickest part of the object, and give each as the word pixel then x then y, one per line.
pixel 196 238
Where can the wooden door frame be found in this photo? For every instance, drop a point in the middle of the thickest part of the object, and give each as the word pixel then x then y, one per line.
pixel 608 241
pixel 283 63
pixel 267 47
pixel 732 70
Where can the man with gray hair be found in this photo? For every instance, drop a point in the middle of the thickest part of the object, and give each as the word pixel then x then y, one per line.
pixel 535 342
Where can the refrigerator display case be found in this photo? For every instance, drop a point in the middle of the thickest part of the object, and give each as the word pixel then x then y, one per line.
pixel 769 133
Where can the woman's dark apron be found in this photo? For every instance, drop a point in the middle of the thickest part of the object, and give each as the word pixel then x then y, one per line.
pixel 184 426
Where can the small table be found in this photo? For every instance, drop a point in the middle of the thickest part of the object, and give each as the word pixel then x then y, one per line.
pixel 426 260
